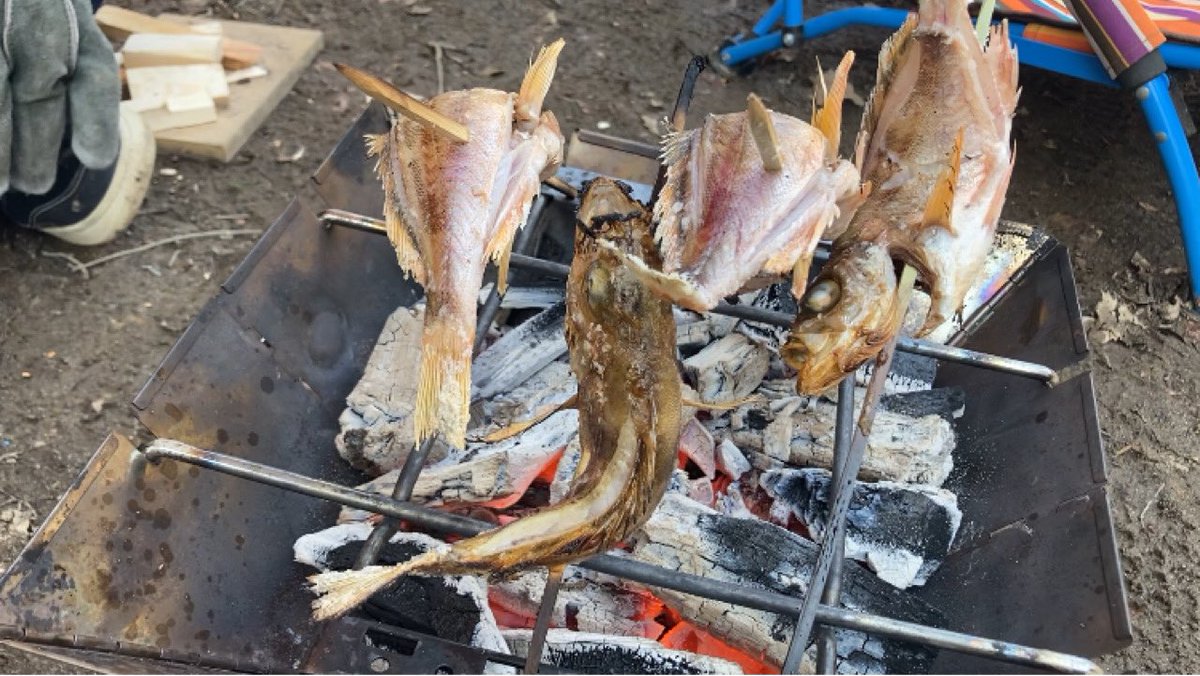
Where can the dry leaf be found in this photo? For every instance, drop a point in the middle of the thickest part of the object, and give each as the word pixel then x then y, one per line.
pixel 653 124
pixel 419 10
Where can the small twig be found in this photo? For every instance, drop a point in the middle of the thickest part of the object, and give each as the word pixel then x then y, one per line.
pixel 1154 499
pixel 84 267
pixel 437 59
pixel 72 261
pixel 231 217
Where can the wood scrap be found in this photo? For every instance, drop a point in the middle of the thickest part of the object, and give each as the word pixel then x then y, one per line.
pixel 161 49
pixel 168 81
pixel 119 23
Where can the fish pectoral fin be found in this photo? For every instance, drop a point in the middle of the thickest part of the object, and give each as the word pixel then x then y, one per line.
pixel 828 120
pixel 670 286
pixel 762 130
pixel 509 431
pixel 536 85
pixel 940 207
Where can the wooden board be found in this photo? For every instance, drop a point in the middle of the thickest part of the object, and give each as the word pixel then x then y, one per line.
pixel 286 53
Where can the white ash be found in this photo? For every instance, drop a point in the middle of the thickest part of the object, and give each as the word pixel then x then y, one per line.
pixel 732 367
pixel 544 391
pixel 377 426
pixel 730 460
pixel 483 473
pixel 564 474
pixel 579 652
pixel 901 531
pixel 519 354
pixel 732 504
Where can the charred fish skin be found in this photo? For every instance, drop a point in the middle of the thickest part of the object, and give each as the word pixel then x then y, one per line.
pixel 621 337
pixel 934 144
pixel 450 207
pixel 748 193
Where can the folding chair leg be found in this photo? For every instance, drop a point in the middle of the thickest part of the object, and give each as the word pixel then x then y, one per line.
pixel 1167 130
pixel 778 27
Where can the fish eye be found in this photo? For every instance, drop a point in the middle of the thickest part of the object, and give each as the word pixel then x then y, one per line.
pixel 598 285
pixel 823 296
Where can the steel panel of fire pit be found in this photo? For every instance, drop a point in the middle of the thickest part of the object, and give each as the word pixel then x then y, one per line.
pixel 263 372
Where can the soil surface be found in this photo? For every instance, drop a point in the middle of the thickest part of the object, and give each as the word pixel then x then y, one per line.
pixel 74 351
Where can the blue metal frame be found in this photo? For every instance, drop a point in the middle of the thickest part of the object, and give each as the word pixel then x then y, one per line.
pixel 784 21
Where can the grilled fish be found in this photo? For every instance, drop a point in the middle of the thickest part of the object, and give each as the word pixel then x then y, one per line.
pixel 748 193
pixel 934 143
pixel 452 206
pixel 621 337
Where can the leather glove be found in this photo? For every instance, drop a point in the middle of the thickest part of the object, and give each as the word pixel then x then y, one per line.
pixel 56 69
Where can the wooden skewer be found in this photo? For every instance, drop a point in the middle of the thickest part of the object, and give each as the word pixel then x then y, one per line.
pixel 404 104
pixel 763 131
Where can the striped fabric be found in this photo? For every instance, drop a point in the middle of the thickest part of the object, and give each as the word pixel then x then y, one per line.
pixel 1128 35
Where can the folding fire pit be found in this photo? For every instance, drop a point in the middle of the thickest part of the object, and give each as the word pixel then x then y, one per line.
pixel 153 563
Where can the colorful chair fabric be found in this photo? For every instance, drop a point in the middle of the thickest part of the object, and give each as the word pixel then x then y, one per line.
pixel 1116 43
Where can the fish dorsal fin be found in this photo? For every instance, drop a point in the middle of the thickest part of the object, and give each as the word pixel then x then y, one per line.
pixel 884 74
pixel 762 128
pixel 537 81
pixel 828 120
pixel 939 208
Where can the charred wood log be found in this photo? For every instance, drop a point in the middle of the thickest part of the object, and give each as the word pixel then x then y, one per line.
pixel 519 354
pixel 583 653
pixel 587 601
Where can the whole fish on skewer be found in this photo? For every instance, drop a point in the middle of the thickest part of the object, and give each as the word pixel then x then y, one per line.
pixel 749 193
pixel 451 206
pixel 934 143
pixel 621 337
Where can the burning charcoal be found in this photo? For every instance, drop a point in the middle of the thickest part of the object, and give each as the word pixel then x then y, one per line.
pixel 697 444
pixel 732 367
pixel 524 297
pixel 521 353
pixel 453 607
pixel 686 536
pixel 547 390
pixel 701 490
pixel 730 460
pixel 587 601
pixel 778 298
pixel 798 431
pixel 495 475
pixel 580 653
pixel 948 402
pixel 377 426
pixel 731 503
pixel 909 373
pixel 901 531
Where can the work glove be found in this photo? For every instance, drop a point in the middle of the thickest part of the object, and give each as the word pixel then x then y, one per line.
pixel 56 68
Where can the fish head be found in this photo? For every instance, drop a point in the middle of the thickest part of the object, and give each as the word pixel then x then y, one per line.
pixel 845 316
pixel 611 225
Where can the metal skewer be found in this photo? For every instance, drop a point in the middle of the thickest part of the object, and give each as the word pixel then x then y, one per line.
pixel 835 526
pixel 654 576
pixel 831 595
pixel 537 641
pixel 402 493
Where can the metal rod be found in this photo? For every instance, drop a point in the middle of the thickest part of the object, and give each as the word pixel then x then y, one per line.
pixel 683 101
pixel 831 595
pixel 647 574
pixel 924 348
pixel 537 640
pixel 402 492
pixel 487 315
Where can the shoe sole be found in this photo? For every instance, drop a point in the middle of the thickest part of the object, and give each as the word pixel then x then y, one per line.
pixel 123 199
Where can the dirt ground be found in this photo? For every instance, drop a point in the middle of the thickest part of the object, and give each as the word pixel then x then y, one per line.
pixel 74 351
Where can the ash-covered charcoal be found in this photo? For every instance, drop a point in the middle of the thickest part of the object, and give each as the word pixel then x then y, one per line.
pixel 798 432
pixel 587 601
pixel 496 475
pixel 453 607
pixel 732 367
pixel 564 473
pixel 545 391
pixel 730 460
pixel 901 531
pixel 696 442
pixel 524 297
pixel 686 536
pixel 583 653
pixel 377 425
pixel 909 373
pixel 777 298
pixel 947 402
pixel 521 353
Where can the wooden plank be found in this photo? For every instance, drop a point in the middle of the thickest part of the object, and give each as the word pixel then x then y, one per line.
pixel 286 53
pixel 145 50
pixel 119 23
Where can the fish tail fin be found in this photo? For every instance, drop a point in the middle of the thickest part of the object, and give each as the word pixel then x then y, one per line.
pixel 828 120
pixel 939 209
pixel 444 386
pixel 340 591
pixel 537 81
pixel 889 56
pixel 762 130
